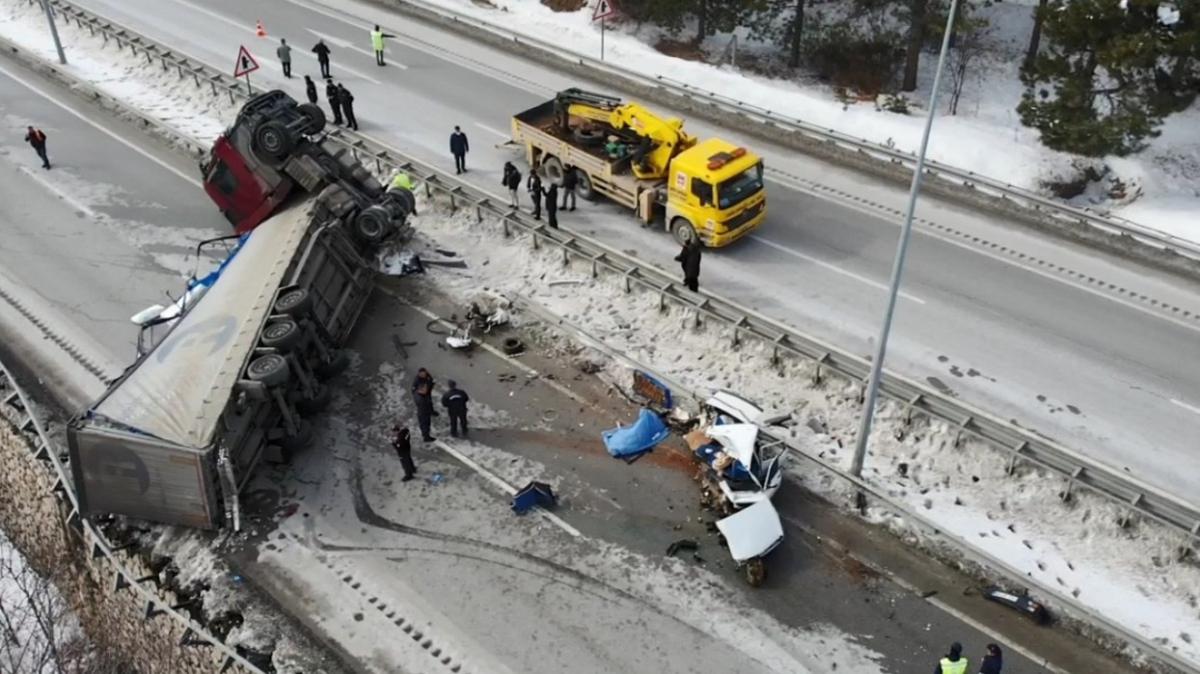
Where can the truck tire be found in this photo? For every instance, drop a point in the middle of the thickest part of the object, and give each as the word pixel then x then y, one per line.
pixel 371 224
pixel 406 201
pixel 366 182
pixel 282 335
pixel 683 231
pixel 552 170
pixel 314 118
pixel 271 369
pixel 273 139
pixel 583 187
pixel 588 137
pixel 293 302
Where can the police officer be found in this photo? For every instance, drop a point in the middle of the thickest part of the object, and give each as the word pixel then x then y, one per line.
pixel 310 89
pixel 954 662
pixel 335 100
pixel 347 100
pixel 455 401
pixel 552 205
pixel 403 449
pixel 534 185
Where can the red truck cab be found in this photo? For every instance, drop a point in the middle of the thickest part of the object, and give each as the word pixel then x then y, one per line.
pixel 243 195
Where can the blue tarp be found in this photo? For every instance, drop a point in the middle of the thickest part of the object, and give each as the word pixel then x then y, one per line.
pixel 641 437
pixel 533 494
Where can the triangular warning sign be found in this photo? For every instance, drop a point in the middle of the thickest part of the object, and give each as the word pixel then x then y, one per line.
pixel 604 9
pixel 245 63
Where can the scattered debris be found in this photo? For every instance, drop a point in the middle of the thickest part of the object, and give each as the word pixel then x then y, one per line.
pixel 531 495
pixel 1023 603
pixel 682 544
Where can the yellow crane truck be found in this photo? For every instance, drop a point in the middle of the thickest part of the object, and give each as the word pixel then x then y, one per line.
pixel 710 190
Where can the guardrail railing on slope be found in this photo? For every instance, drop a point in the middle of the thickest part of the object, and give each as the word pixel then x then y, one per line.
pixel 194 635
pixel 1021 446
pixel 1104 222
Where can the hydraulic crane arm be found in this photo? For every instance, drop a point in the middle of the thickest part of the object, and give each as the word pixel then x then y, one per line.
pixel 661 138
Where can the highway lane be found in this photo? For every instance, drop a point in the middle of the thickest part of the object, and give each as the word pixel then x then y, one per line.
pixel 1109 376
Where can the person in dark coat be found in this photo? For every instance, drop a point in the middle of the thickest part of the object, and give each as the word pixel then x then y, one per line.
pixel 552 205
pixel 455 401
pixel 37 140
pixel 424 401
pixel 403 449
pixel 953 663
pixel 423 377
pixel 333 94
pixel 689 259
pixel 322 52
pixel 570 182
pixel 347 100
pixel 993 662
pixel 512 182
pixel 459 147
pixel 310 89
pixel 284 52
pixel 534 185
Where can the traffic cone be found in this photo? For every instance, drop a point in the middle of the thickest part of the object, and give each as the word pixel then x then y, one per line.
pixel 259 30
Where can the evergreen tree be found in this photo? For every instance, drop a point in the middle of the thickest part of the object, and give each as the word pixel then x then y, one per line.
pixel 780 22
pixel 1114 69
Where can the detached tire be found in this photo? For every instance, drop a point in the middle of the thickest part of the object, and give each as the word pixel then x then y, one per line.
pixel 271 370
pixel 282 335
pixel 588 137
pixel 273 139
pixel 314 118
pixel 552 170
pixel 683 231
pixel 371 225
pixel 293 302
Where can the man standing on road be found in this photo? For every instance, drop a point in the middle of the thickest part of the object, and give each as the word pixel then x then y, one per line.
pixel 455 401
pixel 310 89
pixel 459 147
pixel 552 205
pixel 534 185
pixel 347 100
pixel 284 52
pixel 954 662
pixel 37 139
pixel 570 181
pixel 511 182
pixel 335 103
pixel 423 378
pixel 403 446
pixel 322 52
pixel 377 37
pixel 689 259
pixel 424 400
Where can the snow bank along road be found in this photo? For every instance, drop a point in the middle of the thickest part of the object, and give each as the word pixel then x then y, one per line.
pixel 1087 349
pixel 136 211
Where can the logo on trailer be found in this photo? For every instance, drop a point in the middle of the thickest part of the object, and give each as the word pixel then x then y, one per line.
pixel 245 63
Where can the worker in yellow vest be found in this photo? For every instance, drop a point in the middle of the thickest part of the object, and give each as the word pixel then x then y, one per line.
pixel 377 36
pixel 954 662
pixel 400 180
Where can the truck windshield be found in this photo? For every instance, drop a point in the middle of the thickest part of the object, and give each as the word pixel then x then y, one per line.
pixel 737 189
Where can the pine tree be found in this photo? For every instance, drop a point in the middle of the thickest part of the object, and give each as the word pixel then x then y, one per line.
pixel 1112 72
pixel 780 22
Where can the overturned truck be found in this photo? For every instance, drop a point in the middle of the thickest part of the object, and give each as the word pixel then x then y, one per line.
pixel 241 364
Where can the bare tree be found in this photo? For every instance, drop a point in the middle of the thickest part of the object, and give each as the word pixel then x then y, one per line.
pixel 971 34
pixel 38 633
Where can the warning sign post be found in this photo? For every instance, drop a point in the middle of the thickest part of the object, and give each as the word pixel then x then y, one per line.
pixel 245 65
pixel 604 9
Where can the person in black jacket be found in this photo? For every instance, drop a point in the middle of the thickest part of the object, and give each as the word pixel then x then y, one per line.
pixel 37 140
pixel 552 205
pixel 322 52
pixel 310 89
pixel 333 94
pixel 570 182
pixel 511 182
pixel 424 400
pixel 455 401
pixel 403 447
pixel 993 662
pixel 534 185
pixel 689 259
pixel 347 100
pixel 459 147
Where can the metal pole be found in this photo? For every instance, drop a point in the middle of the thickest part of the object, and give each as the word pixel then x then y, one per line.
pixel 872 395
pixel 602 22
pixel 62 57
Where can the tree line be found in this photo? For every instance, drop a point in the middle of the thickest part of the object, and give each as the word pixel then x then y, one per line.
pixel 1100 76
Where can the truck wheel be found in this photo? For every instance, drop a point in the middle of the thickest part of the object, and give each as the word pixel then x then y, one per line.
pixel 293 302
pixel 406 201
pixel 271 369
pixel 552 170
pixel 588 137
pixel 282 335
pixel 683 231
pixel 314 118
pixel 371 224
pixel 273 139
pixel 584 186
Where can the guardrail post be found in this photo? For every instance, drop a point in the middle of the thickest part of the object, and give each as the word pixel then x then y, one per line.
pixel 566 253
pixel 815 380
pixel 962 429
pixel 1066 494
pixel 1015 458
pixel 534 234
pixel 662 296
pixel 1127 517
pixel 737 329
pixel 908 410
pixel 596 264
pixel 700 308
pixel 504 224
pixel 627 278
pixel 775 346
pixel 478 213
pixel 1187 548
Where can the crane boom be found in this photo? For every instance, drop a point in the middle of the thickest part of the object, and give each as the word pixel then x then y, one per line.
pixel 661 139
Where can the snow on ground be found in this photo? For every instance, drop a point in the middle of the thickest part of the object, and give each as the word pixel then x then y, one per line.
pixel 35 621
pixel 1131 576
pixel 986 136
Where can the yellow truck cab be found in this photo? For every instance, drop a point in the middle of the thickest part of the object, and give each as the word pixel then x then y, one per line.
pixel 716 189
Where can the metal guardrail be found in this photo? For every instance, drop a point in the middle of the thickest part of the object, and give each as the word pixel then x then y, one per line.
pixel 1105 222
pixel 194 635
pixel 1022 446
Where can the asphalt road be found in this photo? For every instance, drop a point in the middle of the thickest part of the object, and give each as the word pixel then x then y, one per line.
pixel 1084 348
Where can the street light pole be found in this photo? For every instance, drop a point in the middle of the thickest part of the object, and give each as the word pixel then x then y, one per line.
pixel 62 57
pixel 872 393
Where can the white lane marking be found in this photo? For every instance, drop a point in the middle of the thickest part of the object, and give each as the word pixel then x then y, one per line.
pixel 999 258
pixel 504 486
pixel 127 143
pixel 345 44
pixel 502 134
pixel 58 192
pixel 1190 408
pixel 833 267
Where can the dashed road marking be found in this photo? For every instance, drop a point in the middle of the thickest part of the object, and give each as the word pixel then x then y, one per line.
pixel 1186 406
pixel 832 267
